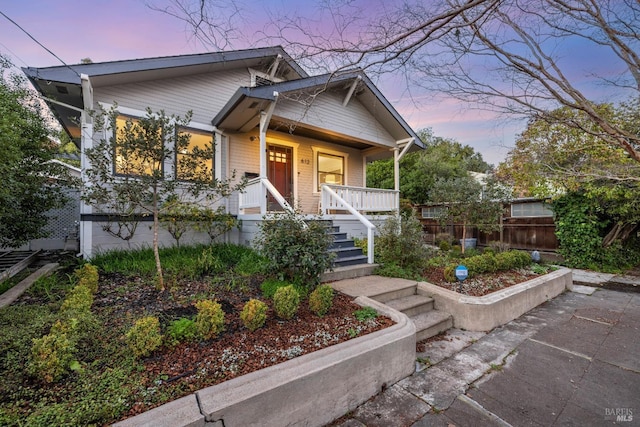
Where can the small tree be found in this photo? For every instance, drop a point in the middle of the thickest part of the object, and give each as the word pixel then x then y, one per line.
pixel 31 183
pixel 470 203
pixel 139 151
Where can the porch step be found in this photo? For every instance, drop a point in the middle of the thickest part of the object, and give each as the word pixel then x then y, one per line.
pixel 348 272
pixel 345 250
pixel 13 262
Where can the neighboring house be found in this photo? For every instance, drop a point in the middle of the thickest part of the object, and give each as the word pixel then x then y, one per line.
pixel 303 140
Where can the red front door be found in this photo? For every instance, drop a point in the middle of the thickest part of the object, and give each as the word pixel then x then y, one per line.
pixel 280 173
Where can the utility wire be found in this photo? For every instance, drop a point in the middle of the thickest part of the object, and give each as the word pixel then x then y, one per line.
pixel 40 44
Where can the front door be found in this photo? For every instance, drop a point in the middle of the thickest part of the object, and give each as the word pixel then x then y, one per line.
pixel 280 173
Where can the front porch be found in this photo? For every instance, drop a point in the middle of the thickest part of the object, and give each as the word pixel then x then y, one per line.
pixel 357 210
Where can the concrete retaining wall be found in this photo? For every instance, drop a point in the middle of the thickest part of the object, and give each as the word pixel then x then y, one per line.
pixel 486 312
pixel 310 390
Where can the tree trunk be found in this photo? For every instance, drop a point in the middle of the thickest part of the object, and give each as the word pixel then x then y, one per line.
pixel 618 232
pixel 156 251
pixel 464 235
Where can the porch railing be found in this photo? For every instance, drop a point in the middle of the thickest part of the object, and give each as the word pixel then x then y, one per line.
pixel 255 196
pixel 331 199
pixel 361 199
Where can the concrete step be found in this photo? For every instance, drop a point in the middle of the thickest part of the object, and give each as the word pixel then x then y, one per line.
pixel 348 272
pixel 399 290
pixel 412 305
pixel 431 323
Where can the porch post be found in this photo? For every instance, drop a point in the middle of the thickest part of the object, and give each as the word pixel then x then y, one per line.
pixel 85 233
pixel 265 118
pixel 405 144
pixel 396 176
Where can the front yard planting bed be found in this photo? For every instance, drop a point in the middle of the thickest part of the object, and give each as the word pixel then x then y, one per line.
pixel 108 383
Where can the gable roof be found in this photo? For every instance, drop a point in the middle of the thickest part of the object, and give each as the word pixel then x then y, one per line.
pixel 238 110
pixel 63 83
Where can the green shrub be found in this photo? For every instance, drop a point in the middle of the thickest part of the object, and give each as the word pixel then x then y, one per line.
pixel 286 301
pixel 444 246
pixel 321 300
pixel 209 262
pixel 296 250
pixel 87 275
pixel 365 313
pixel 270 286
pixel 51 356
pixel 210 319
pixel 390 269
pixel 450 273
pixel 182 330
pixel 405 249
pixel 144 337
pixel 254 314
pixel 79 299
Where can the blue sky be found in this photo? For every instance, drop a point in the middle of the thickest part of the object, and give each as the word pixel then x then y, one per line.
pixel 107 30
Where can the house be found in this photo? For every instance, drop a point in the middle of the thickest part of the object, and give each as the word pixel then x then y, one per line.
pixel 302 140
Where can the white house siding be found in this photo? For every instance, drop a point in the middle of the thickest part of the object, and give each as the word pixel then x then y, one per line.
pixel 204 94
pixel 327 112
pixel 244 157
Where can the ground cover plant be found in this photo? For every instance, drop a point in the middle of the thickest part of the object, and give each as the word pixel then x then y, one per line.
pixel 72 353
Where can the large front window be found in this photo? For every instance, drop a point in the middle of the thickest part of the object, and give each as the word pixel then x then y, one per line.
pixel 194 158
pixel 138 151
pixel 330 169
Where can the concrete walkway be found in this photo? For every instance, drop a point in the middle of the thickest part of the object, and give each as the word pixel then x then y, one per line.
pixel 574 360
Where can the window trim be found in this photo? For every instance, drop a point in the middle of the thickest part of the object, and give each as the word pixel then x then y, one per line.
pixel 439 209
pixel 545 207
pixel 192 130
pixel 322 150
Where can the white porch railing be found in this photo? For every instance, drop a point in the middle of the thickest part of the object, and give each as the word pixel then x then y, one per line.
pixel 353 199
pixel 361 199
pixel 255 196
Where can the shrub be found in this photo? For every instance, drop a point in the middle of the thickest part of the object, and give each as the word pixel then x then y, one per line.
pixel 444 246
pixel 209 262
pixel 365 313
pixel 87 275
pixel 79 299
pixel 450 273
pixel 210 318
pixel 182 330
pixel 297 250
pixel 51 356
pixel 286 301
pixel 254 314
pixel 270 286
pixel 405 249
pixel 144 337
pixel 321 300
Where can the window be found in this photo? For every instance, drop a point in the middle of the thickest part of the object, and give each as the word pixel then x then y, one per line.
pixel 330 169
pixel 432 211
pixel 536 209
pixel 194 160
pixel 136 152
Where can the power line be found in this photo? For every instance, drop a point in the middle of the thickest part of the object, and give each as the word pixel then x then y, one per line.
pixel 39 44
